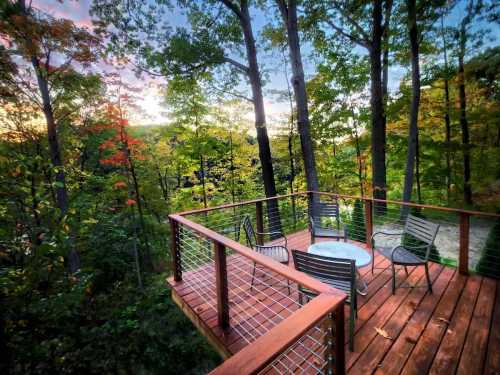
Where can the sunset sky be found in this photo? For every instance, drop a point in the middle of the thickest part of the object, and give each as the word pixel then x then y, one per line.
pixel 153 111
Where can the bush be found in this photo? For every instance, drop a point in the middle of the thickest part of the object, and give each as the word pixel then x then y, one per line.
pixel 356 227
pixel 122 331
pixel 489 263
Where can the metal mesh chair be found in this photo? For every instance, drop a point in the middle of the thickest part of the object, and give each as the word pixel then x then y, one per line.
pixel 337 272
pixel 405 254
pixel 324 212
pixel 277 252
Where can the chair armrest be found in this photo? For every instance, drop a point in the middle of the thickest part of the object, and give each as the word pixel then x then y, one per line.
pixel 277 232
pixel 417 247
pixel 394 249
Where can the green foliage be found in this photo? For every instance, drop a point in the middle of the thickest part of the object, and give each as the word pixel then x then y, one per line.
pixel 356 226
pixel 489 263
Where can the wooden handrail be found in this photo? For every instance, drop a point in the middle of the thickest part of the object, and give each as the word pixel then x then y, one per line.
pixel 263 351
pixel 288 272
pixel 411 204
pixel 237 204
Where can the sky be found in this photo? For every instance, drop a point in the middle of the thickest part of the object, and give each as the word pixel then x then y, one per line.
pixel 154 111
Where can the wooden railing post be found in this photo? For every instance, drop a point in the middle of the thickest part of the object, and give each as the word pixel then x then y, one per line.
pixel 310 203
pixel 338 335
pixel 221 285
pixel 175 249
pixel 463 259
pixel 259 218
pixel 368 221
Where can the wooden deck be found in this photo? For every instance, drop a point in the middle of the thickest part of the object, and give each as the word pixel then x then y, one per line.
pixel 456 329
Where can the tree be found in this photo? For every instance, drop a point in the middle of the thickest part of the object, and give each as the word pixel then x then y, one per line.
pixel 288 10
pixel 413 34
pixel 205 48
pixel 358 18
pixel 38 39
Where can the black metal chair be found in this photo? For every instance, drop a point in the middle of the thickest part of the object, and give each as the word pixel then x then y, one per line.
pixel 337 272
pixel 320 222
pixel 277 252
pixel 405 254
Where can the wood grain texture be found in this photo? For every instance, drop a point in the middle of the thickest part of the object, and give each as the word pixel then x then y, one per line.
pixel 417 321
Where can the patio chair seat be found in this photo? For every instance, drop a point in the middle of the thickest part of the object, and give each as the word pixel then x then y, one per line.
pixel 329 232
pixel 415 227
pixel 278 253
pixel 401 256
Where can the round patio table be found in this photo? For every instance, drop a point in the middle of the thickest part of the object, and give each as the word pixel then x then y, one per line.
pixel 337 249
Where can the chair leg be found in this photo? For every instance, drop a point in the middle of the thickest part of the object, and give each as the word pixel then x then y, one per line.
pixel 373 260
pixel 406 270
pixel 288 285
pixel 429 283
pixel 253 276
pixel 351 327
pixel 393 279
pixel 301 302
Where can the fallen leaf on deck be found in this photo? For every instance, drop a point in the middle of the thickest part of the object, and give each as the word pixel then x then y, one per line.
pixel 446 321
pixel 383 333
pixel 199 309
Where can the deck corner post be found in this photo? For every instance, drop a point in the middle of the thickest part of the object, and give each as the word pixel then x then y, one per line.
pixel 368 221
pixel 338 335
pixel 259 218
pixel 175 250
pixel 463 259
pixel 221 285
pixel 310 202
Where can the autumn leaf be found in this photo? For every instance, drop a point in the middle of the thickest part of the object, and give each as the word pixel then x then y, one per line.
pixel 131 202
pixel 383 333
pixel 444 320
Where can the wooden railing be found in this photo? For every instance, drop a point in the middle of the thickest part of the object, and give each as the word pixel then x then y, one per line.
pixel 327 306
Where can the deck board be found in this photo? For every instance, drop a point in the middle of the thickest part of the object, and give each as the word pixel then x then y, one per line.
pixel 455 328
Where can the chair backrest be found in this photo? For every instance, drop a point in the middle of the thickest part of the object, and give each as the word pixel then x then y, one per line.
pixel 249 232
pixel 421 229
pixel 326 209
pixel 327 269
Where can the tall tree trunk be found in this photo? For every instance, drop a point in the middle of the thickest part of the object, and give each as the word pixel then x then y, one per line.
pixel 417 168
pixel 378 136
pixel 260 118
pixel 288 11
pixel 358 153
pixel 447 122
pixel 56 159
pixel 385 56
pixel 415 101
pixel 463 117
pixel 291 126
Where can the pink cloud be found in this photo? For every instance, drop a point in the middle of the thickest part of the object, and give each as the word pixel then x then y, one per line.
pixel 76 11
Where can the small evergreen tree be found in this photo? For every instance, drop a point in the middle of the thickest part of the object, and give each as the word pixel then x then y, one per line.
pixel 356 227
pixel 489 263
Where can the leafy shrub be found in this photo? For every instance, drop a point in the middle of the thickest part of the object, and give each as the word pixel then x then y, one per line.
pixel 489 263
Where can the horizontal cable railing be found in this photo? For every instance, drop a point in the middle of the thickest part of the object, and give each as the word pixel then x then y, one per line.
pixel 257 298
pixel 249 293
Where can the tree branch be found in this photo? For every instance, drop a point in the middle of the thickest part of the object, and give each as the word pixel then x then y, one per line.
pixel 243 68
pixel 233 8
pixel 352 21
pixel 352 38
